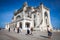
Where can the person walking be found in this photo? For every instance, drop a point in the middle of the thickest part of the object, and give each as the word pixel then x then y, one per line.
pixel 31 30
pixel 18 30
pixel 49 30
pixel 9 29
pixel 28 31
pixel 14 29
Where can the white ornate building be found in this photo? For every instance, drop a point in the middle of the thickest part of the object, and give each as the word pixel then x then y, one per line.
pixel 36 17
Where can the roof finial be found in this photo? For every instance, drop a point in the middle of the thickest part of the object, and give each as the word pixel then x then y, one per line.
pixel 41 3
pixel 25 4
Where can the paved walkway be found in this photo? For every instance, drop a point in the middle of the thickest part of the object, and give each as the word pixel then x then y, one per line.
pixel 4 36
pixel 37 35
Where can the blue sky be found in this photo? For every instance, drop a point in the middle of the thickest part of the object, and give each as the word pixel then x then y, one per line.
pixel 7 8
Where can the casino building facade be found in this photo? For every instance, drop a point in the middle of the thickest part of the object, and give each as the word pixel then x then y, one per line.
pixel 36 17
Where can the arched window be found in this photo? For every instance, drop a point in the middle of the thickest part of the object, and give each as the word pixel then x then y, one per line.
pixel 46 21
pixel 46 17
pixel 18 17
pixel 45 14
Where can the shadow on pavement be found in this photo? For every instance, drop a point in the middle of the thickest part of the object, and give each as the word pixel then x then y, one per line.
pixel 44 36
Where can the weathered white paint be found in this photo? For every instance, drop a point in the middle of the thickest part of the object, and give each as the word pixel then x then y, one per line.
pixel 40 17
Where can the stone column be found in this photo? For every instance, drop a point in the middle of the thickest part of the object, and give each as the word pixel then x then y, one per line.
pixel 31 24
pixel 32 20
pixel 7 26
pixel 18 24
pixel 17 27
pixel 23 25
pixel 14 18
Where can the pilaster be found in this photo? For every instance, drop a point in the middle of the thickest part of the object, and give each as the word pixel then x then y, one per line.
pixel 23 25
pixel 18 24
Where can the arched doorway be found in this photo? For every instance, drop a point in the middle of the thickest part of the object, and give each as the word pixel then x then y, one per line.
pixel 27 24
pixel 21 25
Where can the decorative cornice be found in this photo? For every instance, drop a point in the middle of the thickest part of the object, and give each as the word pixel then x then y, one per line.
pixel 29 8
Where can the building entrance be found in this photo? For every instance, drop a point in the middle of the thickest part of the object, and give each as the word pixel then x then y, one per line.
pixel 21 25
pixel 27 24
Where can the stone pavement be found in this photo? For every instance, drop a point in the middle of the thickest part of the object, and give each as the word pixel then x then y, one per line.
pixel 4 36
pixel 37 35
